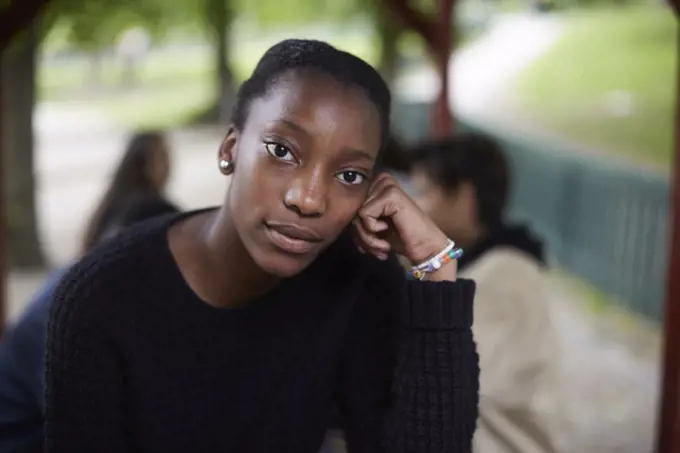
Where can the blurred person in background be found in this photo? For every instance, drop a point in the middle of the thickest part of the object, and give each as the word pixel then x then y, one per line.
pixel 144 170
pixel 143 173
pixel 463 183
pixel 395 158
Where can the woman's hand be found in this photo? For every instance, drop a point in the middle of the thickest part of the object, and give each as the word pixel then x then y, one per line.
pixel 390 221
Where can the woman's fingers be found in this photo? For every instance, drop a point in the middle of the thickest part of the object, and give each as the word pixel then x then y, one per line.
pixel 378 186
pixel 372 225
pixel 370 242
pixel 378 207
pixel 371 219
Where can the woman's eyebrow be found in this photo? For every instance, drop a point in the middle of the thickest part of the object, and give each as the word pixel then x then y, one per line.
pixel 292 125
pixel 359 154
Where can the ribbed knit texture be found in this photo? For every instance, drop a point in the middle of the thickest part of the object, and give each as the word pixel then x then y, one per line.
pixel 136 362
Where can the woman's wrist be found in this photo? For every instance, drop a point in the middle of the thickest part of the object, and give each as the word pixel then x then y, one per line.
pixel 429 249
pixel 447 273
pixel 436 262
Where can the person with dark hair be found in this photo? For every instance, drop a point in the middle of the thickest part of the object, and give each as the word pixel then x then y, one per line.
pixel 143 172
pixel 22 348
pixel 136 210
pixel 463 184
pixel 239 328
pixel 395 157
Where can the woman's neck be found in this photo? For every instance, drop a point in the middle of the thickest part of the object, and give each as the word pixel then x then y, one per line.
pixel 224 274
pixel 242 280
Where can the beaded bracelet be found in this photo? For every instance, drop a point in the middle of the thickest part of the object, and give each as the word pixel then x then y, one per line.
pixel 435 263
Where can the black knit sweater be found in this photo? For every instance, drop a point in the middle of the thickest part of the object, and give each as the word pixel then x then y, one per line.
pixel 136 362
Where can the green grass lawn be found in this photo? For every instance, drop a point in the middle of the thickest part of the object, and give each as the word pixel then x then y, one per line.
pixel 630 49
pixel 174 86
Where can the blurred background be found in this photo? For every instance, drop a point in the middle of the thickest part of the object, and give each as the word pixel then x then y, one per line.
pixel 581 93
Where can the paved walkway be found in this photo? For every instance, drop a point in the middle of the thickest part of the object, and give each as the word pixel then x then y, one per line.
pixel 612 389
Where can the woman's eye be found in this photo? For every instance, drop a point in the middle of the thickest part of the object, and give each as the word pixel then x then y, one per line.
pixel 350 177
pixel 279 151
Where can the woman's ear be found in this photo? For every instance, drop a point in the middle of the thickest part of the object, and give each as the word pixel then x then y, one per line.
pixel 226 157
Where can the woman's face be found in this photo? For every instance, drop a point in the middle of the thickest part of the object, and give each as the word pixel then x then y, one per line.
pixel 302 167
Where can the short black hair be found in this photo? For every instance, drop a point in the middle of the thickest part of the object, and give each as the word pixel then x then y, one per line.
pixel 315 57
pixel 469 157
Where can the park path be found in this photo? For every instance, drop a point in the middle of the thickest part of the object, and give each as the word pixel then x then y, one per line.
pixel 612 390
pixel 484 68
pixel 611 384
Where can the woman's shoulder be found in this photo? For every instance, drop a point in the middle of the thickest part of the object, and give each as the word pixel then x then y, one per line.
pixel 118 262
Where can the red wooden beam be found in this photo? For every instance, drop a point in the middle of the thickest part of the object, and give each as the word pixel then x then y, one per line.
pixel 17 17
pixel 676 6
pixel 412 19
pixel 668 440
pixel 436 32
pixel 442 116
pixel 3 215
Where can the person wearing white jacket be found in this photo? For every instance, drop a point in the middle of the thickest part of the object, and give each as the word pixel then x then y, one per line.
pixel 463 183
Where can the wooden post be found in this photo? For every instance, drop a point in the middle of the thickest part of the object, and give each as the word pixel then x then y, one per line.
pixel 3 212
pixel 668 440
pixel 437 34
pixel 442 117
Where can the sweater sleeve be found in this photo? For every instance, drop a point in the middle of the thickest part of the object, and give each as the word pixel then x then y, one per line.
pixel 83 370
pixel 410 375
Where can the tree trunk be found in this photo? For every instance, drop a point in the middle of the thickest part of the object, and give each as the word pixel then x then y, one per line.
pixel 225 78
pixel 388 34
pixel 19 93
pixel 220 18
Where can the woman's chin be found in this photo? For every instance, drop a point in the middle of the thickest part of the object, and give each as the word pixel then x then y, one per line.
pixel 282 265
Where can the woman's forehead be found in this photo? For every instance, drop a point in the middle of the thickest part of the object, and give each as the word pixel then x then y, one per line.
pixel 319 106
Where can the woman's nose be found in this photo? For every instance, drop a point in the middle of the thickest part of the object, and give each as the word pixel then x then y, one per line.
pixel 307 194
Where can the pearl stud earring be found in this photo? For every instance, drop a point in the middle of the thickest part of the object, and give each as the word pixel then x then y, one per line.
pixel 226 166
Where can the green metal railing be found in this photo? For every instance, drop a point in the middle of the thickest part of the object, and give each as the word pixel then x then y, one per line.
pixel 602 222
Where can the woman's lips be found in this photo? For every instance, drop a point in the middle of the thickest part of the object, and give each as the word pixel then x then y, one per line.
pixel 292 238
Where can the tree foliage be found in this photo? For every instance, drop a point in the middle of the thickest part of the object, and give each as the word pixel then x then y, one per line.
pixel 287 12
pixel 96 24
pixel 302 11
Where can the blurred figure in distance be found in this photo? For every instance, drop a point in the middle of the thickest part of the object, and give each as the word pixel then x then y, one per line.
pixel 463 183
pixel 135 195
pixel 143 173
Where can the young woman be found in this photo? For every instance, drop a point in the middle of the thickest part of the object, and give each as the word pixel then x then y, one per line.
pixel 237 329
pixel 143 173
